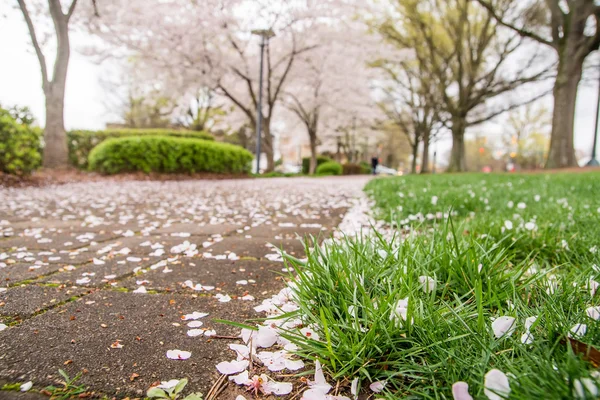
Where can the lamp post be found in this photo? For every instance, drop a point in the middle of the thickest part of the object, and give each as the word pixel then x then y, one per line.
pixel 265 35
pixel 593 162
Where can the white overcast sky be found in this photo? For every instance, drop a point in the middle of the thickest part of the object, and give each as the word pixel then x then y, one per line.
pixel 85 108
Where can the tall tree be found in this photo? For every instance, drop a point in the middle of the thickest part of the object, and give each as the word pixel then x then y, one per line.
pixel 332 87
pixel 572 29
pixel 407 104
pixel 54 80
pixel 466 58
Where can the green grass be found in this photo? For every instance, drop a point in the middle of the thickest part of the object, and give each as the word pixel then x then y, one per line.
pixel 348 290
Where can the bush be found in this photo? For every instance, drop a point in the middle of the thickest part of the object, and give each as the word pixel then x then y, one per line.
pixel 355 169
pixel 276 174
pixel 306 163
pixel 329 168
pixel 366 167
pixel 82 142
pixel 20 147
pixel 168 154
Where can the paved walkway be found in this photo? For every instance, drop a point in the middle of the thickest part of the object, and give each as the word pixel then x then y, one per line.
pixel 97 277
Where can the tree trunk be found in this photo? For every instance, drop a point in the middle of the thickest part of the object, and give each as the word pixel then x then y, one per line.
pixel 56 154
pixel 457 155
pixel 55 138
pixel 313 153
pixel 562 150
pixel 425 159
pixel 413 165
pixel 267 140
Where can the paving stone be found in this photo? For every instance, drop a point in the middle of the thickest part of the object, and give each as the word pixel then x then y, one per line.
pixel 143 324
pixel 25 301
pixel 255 247
pixel 199 229
pixel 99 275
pixel 12 395
pixel 222 274
pixel 275 231
pixel 136 244
pixel 54 240
pixel 11 274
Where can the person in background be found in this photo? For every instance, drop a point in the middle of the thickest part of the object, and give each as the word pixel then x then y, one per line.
pixel 374 164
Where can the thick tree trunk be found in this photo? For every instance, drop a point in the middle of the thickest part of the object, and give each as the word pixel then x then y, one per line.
pixel 457 155
pixel 55 138
pixel 562 150
pixel 56 154
pixel 425 158
pixel 312 168
pixel 413 165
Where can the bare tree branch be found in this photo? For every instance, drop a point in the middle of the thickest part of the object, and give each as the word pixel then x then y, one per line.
pixel 34 40
pixel 520 31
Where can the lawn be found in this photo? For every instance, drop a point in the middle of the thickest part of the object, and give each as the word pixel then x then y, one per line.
pixel 485 273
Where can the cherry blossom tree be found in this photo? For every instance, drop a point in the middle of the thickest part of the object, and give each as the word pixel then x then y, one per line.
pixel 209 44
pixel 332 85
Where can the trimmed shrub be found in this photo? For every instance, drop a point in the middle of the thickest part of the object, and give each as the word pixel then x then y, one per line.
pixel 306 163
pixel 20 147
pixel 82 142
pixel 168 155
pixel 329 168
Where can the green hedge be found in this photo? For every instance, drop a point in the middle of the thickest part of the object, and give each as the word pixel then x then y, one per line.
pixel 169 155
pixel 329 168
pixel 306 162
pixel 20 147
pixel 82 142
pixel 355 169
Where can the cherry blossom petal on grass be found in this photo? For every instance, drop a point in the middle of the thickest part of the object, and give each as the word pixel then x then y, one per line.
pixel 460 391
pixel 26 386
pixel 496 385
pixel 428 284
pixel 377 386
pixel 585 388
pixel 3 327
pixel 527 338
pixel 178 354
pixel 578 330
pixel 593 312
pixel 503 326
pixel 232 367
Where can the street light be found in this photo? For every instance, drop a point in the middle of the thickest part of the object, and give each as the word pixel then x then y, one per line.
pixel 593 162
pixel 265 35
